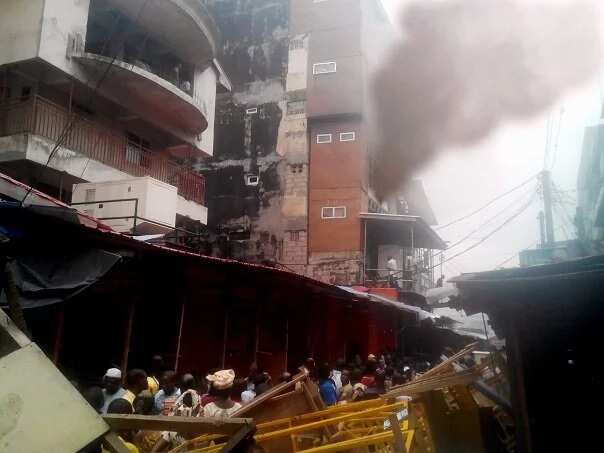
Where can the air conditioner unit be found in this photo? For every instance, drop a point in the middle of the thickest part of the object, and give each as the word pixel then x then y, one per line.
pixel 116 203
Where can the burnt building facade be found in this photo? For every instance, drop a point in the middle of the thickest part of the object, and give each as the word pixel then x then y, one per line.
pixel 291 174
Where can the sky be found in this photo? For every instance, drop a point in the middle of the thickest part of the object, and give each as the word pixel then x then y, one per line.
pixel 459 183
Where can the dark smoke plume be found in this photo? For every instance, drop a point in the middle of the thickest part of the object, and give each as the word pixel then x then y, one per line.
pixel 466 66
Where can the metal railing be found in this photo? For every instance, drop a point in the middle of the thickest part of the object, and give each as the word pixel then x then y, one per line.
pixel 404 278
pixel 42 117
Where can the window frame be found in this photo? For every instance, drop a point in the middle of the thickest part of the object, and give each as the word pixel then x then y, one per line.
pixel 322 63
pixel 333 211
pixel 324 142
pixel 353 139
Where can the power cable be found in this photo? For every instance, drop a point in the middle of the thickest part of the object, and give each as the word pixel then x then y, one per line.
pixel 73 120
pixel 491 219
pixel 499 197
pixel 496 230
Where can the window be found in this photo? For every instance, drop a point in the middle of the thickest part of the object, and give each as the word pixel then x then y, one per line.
pixel 252 180
pixel 294 236
pixel 296 44
pixel 90 195
pixel 347 137
pixel 25 92
pixel 324 68
pixel 335 212
pixel 251 111
pixel 323 138
pixel 296 107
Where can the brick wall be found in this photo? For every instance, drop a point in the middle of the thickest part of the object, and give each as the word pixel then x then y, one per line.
pixel 341 268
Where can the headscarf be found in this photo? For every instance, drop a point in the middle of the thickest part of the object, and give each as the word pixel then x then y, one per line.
pixel 222 379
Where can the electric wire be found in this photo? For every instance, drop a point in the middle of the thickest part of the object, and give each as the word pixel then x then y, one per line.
pixel 493 232
pixel 515 202
pixel 499 197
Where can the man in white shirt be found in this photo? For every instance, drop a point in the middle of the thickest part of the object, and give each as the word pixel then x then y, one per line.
pixel 113 387
pixel 392 267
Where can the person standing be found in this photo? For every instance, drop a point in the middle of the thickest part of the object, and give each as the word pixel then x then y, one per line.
pixel 113 388
pixel 157 368
pixel 336 373
pixel 223 406
pixel 327 388
pixel 392 267
pixel 168 394
pixel 346 390
pixel 136 382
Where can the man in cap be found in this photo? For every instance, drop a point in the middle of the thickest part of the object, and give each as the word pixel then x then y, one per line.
pixel 113 388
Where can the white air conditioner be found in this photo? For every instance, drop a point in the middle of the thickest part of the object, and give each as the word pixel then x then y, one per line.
pixel 116 203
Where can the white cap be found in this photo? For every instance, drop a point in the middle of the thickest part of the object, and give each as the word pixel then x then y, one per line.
pixel 113 373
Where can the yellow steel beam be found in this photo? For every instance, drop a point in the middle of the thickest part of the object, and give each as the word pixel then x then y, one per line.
pixel 340 408
pixel 327 422
pixel 373 439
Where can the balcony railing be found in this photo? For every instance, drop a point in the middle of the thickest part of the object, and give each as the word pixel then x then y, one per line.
pixel 39 116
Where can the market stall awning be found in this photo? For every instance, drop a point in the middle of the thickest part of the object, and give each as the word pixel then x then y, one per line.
pixel 375 298
pixel 404 230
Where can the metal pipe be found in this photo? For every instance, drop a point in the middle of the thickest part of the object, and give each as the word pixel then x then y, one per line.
pixel 135 216
pixel 179 342
pixel 257 337
pixel 286 341
pixel 224 337
pixel 127 341
pixel 364 252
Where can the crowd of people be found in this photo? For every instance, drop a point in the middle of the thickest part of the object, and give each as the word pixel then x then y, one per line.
pixel 220 393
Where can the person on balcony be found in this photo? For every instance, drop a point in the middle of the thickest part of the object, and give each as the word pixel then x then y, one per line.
pixel 393 271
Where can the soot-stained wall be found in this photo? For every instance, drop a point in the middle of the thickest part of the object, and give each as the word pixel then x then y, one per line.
pixel 245 178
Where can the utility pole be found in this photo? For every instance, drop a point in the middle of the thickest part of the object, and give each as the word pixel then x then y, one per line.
pixel 546 182
pixel 541 218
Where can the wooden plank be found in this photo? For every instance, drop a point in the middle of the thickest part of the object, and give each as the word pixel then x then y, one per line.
pixel 112 442
pixel 444 365
pixel 12 330
pixel 270 394
pixel 399 442
pixel 184 425
pixel 415 387
pixel 244 434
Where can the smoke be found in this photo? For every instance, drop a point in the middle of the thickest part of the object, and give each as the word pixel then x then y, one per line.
pixel 466 66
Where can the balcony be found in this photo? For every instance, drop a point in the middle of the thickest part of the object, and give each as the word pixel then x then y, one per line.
pixel 41 117
pixel 185 26
pixel 163 101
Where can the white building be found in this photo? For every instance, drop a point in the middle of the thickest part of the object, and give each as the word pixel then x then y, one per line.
pixel 152 115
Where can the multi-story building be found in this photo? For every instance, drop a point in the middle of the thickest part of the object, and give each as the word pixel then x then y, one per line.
pixel 590 189
pixel 291 178
pixel 126 88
